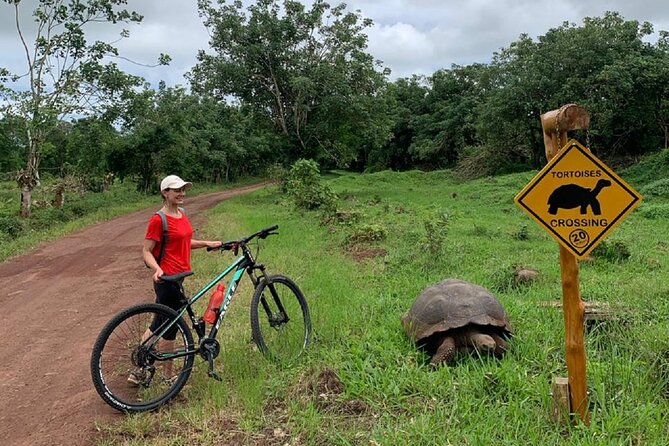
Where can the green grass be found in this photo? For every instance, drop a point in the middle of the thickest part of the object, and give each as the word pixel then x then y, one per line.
pixel 389 395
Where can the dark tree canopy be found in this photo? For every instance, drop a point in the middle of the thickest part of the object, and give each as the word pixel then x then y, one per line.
pixel 305 70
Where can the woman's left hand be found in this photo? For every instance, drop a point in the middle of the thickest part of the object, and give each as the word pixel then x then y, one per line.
pixel 214 244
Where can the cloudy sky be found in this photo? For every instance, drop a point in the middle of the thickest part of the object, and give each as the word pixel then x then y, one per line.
pixel 409 36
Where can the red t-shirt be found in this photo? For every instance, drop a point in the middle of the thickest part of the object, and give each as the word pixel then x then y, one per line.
pixel 177 250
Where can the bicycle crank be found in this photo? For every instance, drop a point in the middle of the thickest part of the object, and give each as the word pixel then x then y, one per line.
pixel 209 350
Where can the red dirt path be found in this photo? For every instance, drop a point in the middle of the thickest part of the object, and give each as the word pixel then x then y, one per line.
pixel 73 286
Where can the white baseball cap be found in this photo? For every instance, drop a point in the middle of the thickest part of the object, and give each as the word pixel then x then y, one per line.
pixel 173 182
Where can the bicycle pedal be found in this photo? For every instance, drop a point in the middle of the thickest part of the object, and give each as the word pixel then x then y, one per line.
pixel 215 375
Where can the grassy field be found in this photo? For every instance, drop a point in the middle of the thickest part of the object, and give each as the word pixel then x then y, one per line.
pixel 364 383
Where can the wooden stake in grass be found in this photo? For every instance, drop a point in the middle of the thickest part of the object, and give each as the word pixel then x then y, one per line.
pixel 556 124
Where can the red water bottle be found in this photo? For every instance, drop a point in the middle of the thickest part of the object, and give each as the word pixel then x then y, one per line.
pixel 215 302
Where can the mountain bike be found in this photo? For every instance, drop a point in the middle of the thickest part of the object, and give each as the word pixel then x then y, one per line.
pixel 144 355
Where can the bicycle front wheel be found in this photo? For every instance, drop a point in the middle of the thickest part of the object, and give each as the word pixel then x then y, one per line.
pixel 132 370
pixel 280 319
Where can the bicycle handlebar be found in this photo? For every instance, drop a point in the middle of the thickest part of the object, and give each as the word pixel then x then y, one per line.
pixel 235 244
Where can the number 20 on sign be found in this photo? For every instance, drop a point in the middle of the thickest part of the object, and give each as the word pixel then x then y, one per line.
pixel 578 199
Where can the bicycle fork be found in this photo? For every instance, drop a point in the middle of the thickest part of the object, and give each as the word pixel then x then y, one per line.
pixel 275 319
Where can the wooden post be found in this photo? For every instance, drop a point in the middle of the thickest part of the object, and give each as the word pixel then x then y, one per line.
pixel 556 124
pixel 560 392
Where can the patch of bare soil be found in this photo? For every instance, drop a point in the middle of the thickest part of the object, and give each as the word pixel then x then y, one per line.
pixel 329 389
pixel 55 300
pixel 360 253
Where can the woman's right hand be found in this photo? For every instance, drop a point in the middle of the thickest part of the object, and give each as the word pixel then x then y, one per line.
pixel 157 274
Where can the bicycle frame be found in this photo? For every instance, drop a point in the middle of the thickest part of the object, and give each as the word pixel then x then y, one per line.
pixel 129 355
pixel 244 263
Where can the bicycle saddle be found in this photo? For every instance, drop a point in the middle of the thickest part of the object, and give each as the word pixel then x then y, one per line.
pixel 176 277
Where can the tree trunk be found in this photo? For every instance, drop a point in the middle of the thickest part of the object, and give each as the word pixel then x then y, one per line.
pixel 29 177
pixel 26 197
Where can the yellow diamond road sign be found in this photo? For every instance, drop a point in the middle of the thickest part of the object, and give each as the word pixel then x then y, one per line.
pixel 578 199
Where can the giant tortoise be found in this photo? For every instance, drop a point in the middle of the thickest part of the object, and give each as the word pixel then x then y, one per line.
pixel 456 315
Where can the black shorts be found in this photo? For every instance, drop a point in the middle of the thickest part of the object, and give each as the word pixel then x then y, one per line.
pixel 168 294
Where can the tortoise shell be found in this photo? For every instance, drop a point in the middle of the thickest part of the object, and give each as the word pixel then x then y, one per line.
pixel 452 304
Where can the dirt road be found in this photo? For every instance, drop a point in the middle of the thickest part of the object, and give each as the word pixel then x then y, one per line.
pixel 54 300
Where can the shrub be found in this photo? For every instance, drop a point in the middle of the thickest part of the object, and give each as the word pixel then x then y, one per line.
pixel 613 251
pixel 654 211
pixel 659 188
pixel 478 162
pixel 435 232
pixel 342 217
pixel 11 225
pixel 306 189
pixel 367 233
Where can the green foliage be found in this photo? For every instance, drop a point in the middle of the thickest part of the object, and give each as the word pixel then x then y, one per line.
pixel 306 189
pixel 612 251
pixel 659 188
pixel 367 233
pixel 652 167
pixel 12 153
pixel 201 139
pixel 305 87
pixel 279 174
pixel 305 70
pixel 436 227
pixel 405 98
pixel 386 393
pixel 446 125
pixel 486 118
pixel 68 75
pixel 11 226
pixel 654 211
pixel 477 162
pixel 611 62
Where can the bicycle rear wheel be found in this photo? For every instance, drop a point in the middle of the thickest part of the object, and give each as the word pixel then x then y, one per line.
pixel 280 319
pixel 135 376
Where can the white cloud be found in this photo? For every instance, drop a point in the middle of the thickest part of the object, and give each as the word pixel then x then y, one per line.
pixel 410 36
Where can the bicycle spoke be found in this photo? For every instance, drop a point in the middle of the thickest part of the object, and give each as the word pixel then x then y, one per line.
pixel 130 375
pixel 280 319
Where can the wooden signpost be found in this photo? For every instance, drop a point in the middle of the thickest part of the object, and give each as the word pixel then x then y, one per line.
pixel 578 200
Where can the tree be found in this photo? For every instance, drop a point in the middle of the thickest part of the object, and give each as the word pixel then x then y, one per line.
pixel 406 100
pixel 446 127
pixel 306 71
pixel 11 145
pixel 198 137
pixel 603 65
pixel 66 74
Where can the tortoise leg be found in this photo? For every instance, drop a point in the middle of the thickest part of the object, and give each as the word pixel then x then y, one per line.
pixel 445 352
pixel 501 345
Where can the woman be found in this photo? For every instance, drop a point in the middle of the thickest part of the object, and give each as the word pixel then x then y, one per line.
pixel 175 257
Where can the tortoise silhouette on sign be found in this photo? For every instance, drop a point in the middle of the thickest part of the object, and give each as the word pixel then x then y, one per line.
pixel 569 196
